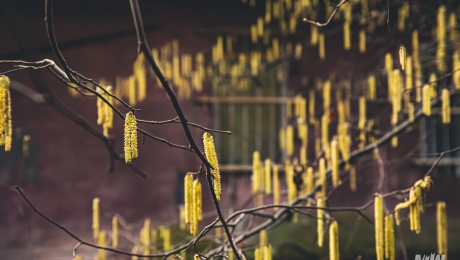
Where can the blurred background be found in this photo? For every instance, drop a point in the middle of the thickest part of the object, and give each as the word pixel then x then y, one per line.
pixel 63 167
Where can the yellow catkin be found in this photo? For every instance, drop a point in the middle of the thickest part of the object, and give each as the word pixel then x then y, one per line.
pixel 254 33
pixel 134 251
pixel 77 257
pixel 268 11
pixel 335 163
pixel 25 145
pixel 102 241
pixel 211 155
pixel 445 96
pixel 334 253
pixel 362 112
pixel 96 224
pixel 263 238
pixel 276 186
pixel 115 231
pixel 456 69
pixel 371 87
pixel 313 35
pixel 198 199
pixel 255 169
pixel 268 177
pixel 416 209
pixel 292 189
pixel 145 237
pixel 409 76
pixel 188 192
pixel 141 77
pixel 322 179
pixel 322 47
pixel 378 218
pixel 130 142
pixel 6 130
pixel 298 51
pixel 411 112
pixel 197 212
pixel 267 254
pixel 353 179
pixel 165 234
pixel 282 139
pixel 362 41
pixel 453 27
pixel 346 36
pixel 182 223
pixel 400 206
pixel 389 238
pixel 441 37
pixel 320 214
pixel 325 130
pixel 104 111
pixel 276 47
pixel 289 140
pixel 132 90
pixel 310 181
pixel 441 228
pixel 327 95
pixel 402 56
pixel 260 26
pixel 303 154
pixel 426 100
pixel 257 254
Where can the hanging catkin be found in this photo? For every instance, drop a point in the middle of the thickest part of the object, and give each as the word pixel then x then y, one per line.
pixel 379 234
pixel 322 48
pixel 268 177
pixel 96 225
pixel 322 179
pixel 211 155
pixel 441 227
pixel 6 131
pixel 335 163
pixel 320 215
pixel 445 96
pixel 188 192
pixel 130 143
pixel 115 231
pixel 389 238
pixel 334 253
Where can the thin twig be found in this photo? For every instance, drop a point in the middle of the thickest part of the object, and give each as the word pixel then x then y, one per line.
pixel 177 120
pixel 330 17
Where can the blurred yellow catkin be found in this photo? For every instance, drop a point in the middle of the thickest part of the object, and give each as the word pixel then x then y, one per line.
pixel 362 41
pixel 268 177
pixel 102 241
pixel 320 214
pixel 115 231
pixel 96 224
pixel 445 97
pixel 335 163
pixel 334 253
